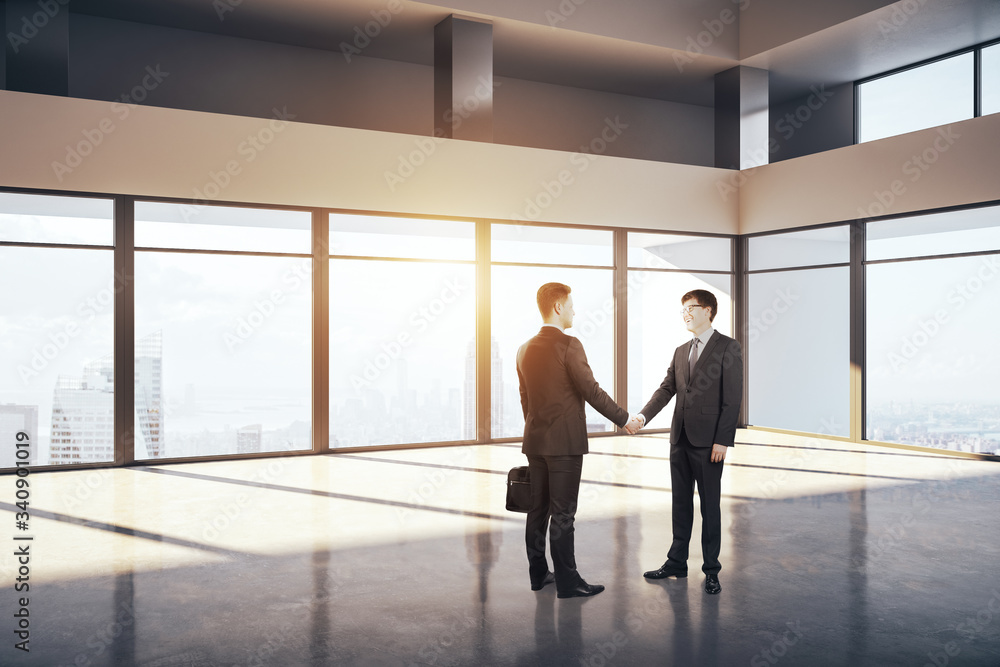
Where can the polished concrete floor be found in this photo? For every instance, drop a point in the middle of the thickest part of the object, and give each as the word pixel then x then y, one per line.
pixel 833 554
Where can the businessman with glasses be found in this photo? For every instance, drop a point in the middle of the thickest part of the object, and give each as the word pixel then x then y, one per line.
pixel 706 376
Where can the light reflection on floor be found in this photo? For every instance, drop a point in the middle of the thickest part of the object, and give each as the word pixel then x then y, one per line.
pixel 833 553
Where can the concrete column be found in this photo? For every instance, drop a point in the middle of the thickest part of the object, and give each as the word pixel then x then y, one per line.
pixel 3 51
pixel 741 118
pixel 36 47
pixel 463 79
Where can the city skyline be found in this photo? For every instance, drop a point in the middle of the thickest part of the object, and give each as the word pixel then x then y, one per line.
pixel 223 353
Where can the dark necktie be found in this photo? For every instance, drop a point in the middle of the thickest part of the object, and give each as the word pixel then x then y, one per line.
pixel 693 358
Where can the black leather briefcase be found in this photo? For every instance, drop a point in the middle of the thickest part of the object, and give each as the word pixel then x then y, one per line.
pixel 518 489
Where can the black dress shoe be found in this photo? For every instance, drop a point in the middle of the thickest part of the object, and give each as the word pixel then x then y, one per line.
pixel 712 585
pixel 549 579
pixel 667 570
pixel 584 590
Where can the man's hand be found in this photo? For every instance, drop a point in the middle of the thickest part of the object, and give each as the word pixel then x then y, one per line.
pixel 719 453
pixel 635 424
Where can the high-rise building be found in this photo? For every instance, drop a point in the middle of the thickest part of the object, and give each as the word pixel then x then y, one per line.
pixel 16 419
pixel 496 391
pixel 149 393
pixel 83 418
pixel 496 388
pixel 83 411
pixel 248 439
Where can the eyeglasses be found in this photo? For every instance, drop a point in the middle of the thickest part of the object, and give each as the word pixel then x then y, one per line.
pixel 686 310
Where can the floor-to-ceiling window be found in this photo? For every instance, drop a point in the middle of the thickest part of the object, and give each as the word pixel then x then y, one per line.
pixel 798 331
pixel 57 328
pixel 661 269
pixel 224 308
pixel 932 316
pixel 402 330
pixel 523 259
pixel 222 330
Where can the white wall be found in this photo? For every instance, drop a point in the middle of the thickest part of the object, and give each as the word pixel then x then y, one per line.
pixel 948 166
pixel 175 153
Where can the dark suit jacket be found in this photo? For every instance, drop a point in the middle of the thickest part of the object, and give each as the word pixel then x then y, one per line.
pixel 555 379
pixel 708 404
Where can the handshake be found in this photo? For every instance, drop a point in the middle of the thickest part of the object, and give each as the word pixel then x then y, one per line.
pixel 635 423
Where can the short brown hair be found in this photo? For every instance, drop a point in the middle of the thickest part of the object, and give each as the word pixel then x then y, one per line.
pixel 549 295
pixel 704 298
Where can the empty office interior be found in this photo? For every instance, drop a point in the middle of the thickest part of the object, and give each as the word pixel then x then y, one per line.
pixel 265 266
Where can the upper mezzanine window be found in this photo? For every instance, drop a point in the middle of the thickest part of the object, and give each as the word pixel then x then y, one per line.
pixel 946 90
pixel 934 94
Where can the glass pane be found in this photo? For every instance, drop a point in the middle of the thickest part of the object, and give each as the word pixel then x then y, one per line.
pixel 401 336
pixel 551 245
pixel 932 355
pixel 56 343
pixel 670 251
pixel 829 245
pixel 223 355
pixel 515 319
pixel 49 219
pixel 991 79
pixel 370 236
pixel 798 356
pixel 187 226
pixel 971 230
pixel 656 328
pixel 926 96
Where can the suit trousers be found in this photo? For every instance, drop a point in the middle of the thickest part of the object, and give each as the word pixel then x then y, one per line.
pixel 555 488
pixel 690 466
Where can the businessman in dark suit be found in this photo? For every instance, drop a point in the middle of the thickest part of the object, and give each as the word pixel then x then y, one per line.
pixel 706 376
pixel 555 380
